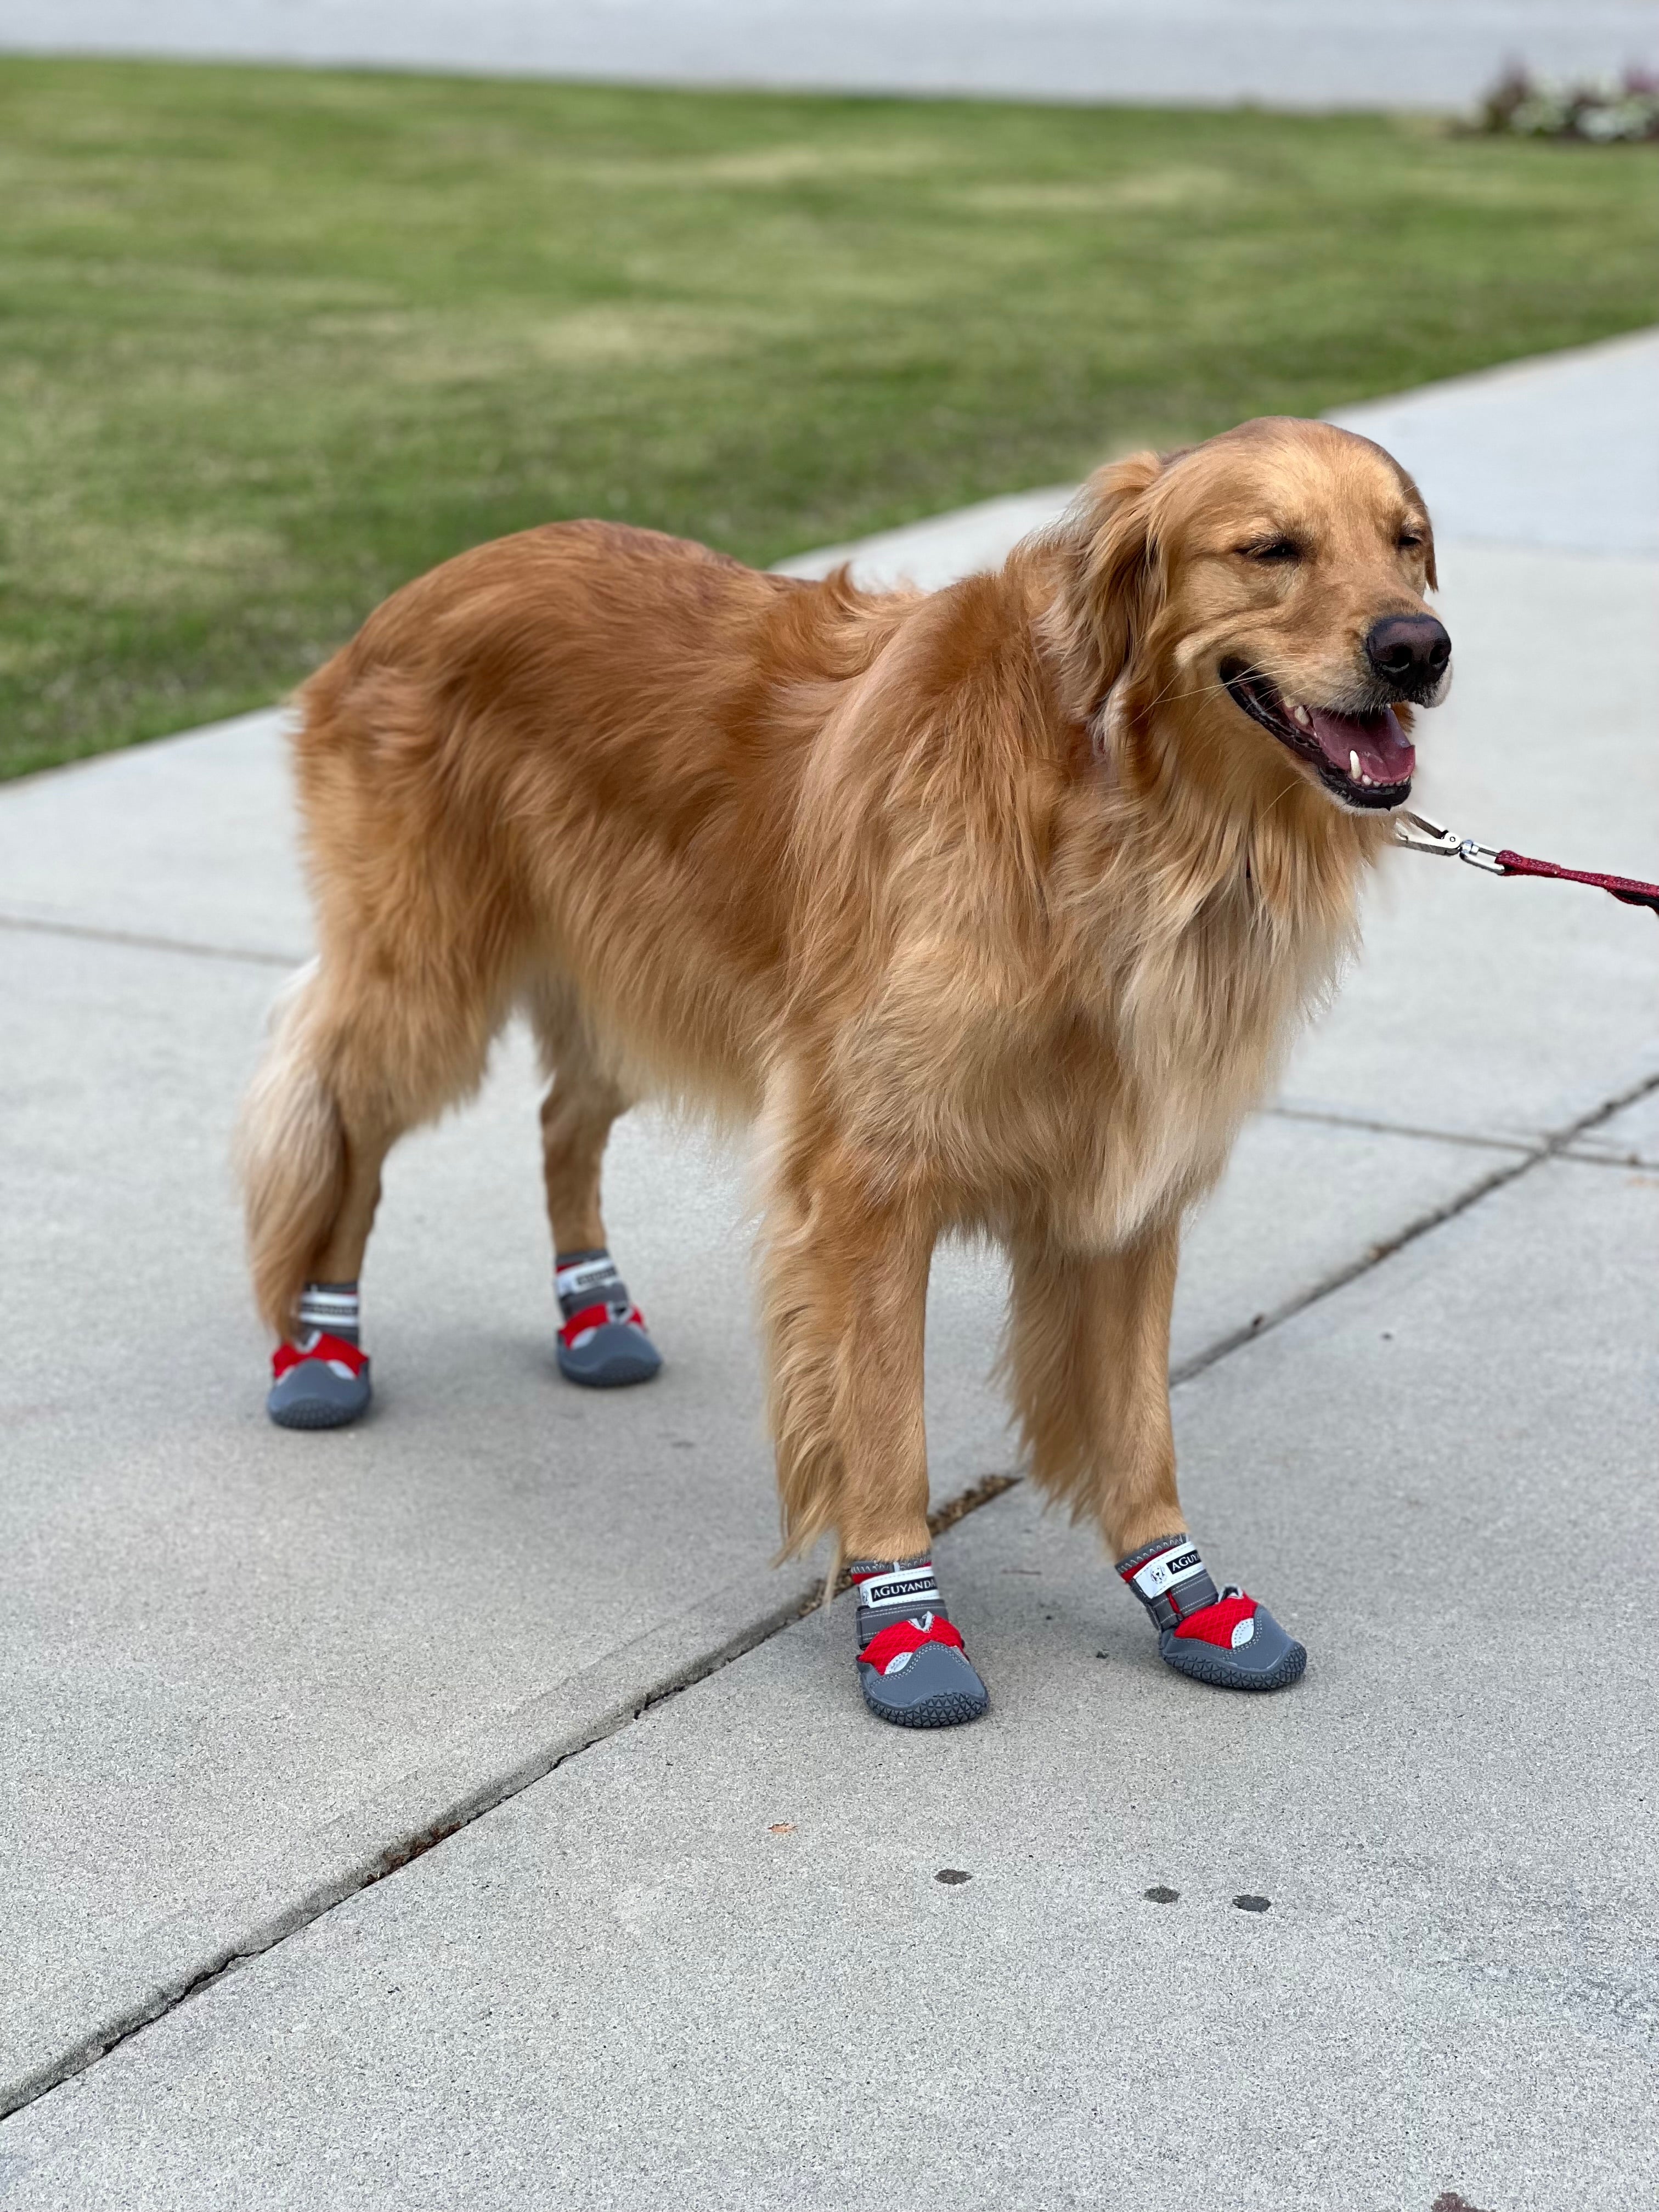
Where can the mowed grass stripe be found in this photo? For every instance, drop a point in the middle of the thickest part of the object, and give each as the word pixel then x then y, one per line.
pixel 273 341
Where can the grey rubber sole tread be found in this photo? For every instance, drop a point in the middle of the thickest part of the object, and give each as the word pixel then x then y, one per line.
pixel 313 1396
pixel 615 1357
pixel 615 1375
pixel 949 1710
pixel 315 1413
pixel 1220 1676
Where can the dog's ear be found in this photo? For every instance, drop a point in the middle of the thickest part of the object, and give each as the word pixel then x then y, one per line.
pixel 1109 582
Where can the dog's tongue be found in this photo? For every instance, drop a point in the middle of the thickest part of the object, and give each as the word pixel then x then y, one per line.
pixel 1384 751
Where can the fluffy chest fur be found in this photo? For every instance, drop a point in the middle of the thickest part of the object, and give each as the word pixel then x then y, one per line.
pixel 1098 1092
pixel 1199 1029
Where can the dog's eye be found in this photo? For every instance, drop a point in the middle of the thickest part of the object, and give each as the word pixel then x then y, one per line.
pixel 1410 541
pixel 1272 548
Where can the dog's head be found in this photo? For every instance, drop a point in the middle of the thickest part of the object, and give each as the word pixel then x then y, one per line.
pixel 1263 593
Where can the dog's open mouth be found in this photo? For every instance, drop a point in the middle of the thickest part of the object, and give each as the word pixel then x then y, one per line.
pixel 1367 759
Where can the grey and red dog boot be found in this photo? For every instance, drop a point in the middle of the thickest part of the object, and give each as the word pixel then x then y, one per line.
pixel 1220 1637
pixel 603 1341
pixel 912 1667
pixel 320 1380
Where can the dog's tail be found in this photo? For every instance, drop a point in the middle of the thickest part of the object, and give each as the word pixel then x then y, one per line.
pixel 290 1154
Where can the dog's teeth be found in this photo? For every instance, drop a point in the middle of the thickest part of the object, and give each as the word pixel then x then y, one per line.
pixel 1353 764
pixel 1364 779
pixel 1302 715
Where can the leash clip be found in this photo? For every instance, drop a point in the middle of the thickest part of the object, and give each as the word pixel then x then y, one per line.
pixel 1418 834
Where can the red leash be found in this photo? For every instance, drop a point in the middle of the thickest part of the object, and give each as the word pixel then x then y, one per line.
pixel 1418 835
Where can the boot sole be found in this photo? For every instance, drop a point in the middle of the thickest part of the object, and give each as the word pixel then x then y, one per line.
pixel 949 1710
pixel 316 1413
pixel 1220 1676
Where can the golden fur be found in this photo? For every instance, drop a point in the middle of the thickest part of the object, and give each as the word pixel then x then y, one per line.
pixel 989 903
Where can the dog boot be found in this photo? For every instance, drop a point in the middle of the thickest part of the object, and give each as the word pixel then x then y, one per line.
pixel 1220 1637
pixel 912 1667
pixel 321 1380
pixel 604 1342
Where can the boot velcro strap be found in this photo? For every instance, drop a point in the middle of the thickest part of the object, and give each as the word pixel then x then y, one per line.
pixel 913 1588
pixel 1157 1577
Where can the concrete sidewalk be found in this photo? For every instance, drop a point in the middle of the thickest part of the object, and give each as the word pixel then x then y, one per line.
pixel 250 1672
pixel 1431 54
pixel 710 1964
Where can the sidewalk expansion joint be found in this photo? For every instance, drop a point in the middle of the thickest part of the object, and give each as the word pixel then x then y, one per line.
pixel 391 1858
pixel 307 1911
pixel 1556 1146
pixel 1330 1118
pixel 141 940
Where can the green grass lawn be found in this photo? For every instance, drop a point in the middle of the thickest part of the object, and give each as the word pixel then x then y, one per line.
pixel 272 342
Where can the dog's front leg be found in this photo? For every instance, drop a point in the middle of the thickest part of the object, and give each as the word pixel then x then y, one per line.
pixel 845 1293
pixel 1088 1356
pixel 846 1303
pixel 1089 1359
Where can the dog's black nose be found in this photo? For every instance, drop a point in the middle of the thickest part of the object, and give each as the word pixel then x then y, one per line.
pixel 1408 651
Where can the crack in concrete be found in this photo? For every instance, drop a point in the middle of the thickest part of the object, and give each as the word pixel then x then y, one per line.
pixel 92 932
pixel 1329 1118
pixel 318 1902
pixel 1553 1147
pixel 1637 1162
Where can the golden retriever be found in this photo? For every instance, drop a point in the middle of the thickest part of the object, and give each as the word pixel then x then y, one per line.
pixel 995 905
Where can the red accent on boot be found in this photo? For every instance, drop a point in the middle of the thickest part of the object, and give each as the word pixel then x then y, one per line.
pixel 592 1317
pixel 324 1347
pixel 887 1643
pixel 1215 1623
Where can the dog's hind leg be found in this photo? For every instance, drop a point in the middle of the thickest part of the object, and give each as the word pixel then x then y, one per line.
pixel 358 1056
pixel 1088 1356
pixel 603 1340
pixel 844 1305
